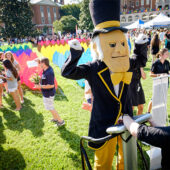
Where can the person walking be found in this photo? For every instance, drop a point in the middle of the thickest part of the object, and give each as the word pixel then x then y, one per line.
pixel 48 90
pixel 9 56
pixel 11 77
pixel 136 90
pixel 155 46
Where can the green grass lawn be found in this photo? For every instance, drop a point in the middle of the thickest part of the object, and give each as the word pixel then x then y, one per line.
pixel 29 141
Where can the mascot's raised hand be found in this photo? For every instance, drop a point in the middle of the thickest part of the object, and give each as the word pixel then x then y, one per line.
pixel 75 44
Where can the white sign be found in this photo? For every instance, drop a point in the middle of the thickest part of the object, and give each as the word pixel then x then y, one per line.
pixel 32 63
pixel 159 100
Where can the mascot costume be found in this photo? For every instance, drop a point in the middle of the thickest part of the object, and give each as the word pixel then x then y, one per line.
pixel 107 75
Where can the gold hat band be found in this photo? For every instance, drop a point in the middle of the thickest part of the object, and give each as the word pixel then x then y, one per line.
pixel 107 24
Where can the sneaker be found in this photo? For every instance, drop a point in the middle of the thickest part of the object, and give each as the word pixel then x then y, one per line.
pixel 59 124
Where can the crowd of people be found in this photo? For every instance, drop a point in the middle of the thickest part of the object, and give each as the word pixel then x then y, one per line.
pixel 36 40
pixel 157 39
pixel 157 44
pixel 159 47
pixel 10 79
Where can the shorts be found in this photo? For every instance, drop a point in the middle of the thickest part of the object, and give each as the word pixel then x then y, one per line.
pixel 12 89
pixel 48 102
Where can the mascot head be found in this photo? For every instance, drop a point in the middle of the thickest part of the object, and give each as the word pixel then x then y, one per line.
pixel 141 39
pixel 109 43
pixel 140 50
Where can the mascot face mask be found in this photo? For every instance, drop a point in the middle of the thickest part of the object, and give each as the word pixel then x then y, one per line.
pixel 115 50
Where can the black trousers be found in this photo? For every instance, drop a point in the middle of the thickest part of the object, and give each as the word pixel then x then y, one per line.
pixel 159 137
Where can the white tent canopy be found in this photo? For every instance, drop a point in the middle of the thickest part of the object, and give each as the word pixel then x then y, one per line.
pixel 160 20
pixel 137 24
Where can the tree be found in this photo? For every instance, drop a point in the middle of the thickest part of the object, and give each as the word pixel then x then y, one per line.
pixel 68 23
pixel 85 22
pixel 65 24
pixel 17 18
pixel 57 26
pixel 72 9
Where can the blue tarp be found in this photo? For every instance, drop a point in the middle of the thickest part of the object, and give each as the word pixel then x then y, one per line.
pixel 59 59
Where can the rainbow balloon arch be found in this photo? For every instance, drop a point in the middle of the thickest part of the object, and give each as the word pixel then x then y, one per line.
pixel 56 51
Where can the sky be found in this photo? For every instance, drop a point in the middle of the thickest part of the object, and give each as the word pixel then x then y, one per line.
pixel 70 1
pixel 67 1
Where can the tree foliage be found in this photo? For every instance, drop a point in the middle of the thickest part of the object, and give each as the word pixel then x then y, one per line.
pixel 57 26
pixel 17 18
pixel 71 9
pixel 85 21
pixel 65 24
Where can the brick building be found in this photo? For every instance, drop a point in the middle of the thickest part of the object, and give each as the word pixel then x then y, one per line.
pixel 127 5
pixel 162 4
pixel 132 10
pixel 45 13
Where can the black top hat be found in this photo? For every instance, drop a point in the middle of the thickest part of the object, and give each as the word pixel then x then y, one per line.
pixel 105 15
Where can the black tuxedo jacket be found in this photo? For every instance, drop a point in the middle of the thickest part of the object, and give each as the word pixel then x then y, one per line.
pixel 107 107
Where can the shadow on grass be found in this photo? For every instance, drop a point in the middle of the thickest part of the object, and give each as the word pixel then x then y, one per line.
pixel 29 119
pixel 60 96
pixel 2 136
pixel 36 93
pixel 11 158
pixel 140 161
pixel 74 142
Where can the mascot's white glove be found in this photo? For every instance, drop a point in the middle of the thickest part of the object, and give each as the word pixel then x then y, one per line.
pixel 75 44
